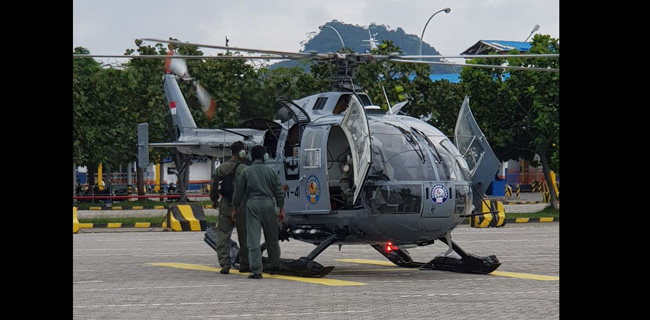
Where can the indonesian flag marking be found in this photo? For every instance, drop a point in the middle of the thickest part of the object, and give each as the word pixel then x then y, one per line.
pixel 172 107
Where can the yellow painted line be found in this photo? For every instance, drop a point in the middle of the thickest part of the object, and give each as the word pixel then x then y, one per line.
pixel 524 276
pixel 494 273
pixel 117 208
pixel 521 220
pixel 547 219
pixel 366 261
pixel 321 281
pixel 159 207
pixel 138 207
pixel 114 225
pixel 95 208
pixel 142 224
pixel 85 225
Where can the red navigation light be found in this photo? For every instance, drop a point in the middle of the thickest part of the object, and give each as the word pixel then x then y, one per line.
pixel 390 247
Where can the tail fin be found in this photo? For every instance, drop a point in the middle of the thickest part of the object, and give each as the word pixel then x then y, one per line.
pixel 180 112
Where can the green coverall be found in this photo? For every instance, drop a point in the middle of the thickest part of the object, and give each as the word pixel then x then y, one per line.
pixel 259 185
pixel 225 225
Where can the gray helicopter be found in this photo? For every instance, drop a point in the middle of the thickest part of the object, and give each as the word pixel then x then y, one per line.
pixel 412 185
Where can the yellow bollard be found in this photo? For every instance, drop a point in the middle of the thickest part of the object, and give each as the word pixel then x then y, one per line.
pixel 75 221
pixel 99 177
pixel 546 193
pixel 557 190
pixel 517 189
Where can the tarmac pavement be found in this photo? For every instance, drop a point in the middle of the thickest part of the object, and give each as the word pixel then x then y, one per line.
pixel 175 275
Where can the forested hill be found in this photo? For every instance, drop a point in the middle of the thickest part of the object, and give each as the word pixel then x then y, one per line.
pixel 327 40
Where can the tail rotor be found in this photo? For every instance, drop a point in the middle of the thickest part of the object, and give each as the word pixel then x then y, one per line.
pixel 178 67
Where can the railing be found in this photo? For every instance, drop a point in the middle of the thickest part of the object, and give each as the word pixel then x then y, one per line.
pixel 129 193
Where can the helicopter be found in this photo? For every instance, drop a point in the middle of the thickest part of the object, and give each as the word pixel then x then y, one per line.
pixel 412 186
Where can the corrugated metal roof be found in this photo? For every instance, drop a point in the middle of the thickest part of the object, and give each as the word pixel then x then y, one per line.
pixel 451 77
pixel 500 46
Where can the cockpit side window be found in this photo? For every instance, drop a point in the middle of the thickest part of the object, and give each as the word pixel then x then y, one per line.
pixel 293 141
pixel 341 104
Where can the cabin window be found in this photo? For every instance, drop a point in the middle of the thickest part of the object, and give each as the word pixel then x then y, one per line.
pixel 393 198
pixel 320 103
pixel 293 141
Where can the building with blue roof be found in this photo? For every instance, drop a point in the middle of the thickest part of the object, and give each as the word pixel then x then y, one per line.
pixel 497 46
pixel 481 47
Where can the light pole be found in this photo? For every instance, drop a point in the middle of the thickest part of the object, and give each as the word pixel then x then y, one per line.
pixel 535 28
pixel 321 27
pixel 446 10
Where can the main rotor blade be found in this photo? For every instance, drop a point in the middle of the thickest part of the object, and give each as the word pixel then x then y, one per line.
pixel 177 56
pixel 178 66
pixel 478 65
pixel 299 55
pixel 488 56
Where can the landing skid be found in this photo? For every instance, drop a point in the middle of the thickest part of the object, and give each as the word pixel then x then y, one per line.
pixel 304 266
pixel 468 263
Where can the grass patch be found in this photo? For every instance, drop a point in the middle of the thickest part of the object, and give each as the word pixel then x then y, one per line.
pixel 547 212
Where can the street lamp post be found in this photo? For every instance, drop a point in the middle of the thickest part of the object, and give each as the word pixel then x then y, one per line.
pixel 446 10
pixel 321 27
pixel 535 28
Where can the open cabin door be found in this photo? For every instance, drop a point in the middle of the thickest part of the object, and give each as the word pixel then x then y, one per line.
pixel 356 128
pixel 472 144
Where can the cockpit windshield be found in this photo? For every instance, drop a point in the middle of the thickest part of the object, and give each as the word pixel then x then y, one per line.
pixel 403 153
pixel 397 155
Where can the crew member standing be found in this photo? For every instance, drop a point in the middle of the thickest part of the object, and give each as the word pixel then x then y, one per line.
pixel 260 186
pixel 225 222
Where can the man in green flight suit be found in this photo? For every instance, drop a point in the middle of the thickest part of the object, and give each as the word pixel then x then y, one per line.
pixel 260 185
pixel 225 222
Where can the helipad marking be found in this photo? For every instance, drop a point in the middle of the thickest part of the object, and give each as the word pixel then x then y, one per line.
pixel 322 281
pixel 524 276
pixel 494 273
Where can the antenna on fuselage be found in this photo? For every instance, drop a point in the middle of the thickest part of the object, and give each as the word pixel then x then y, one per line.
pixel 390 110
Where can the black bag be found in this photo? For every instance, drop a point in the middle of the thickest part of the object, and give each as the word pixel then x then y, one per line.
pixel 210 238
pixel 227 184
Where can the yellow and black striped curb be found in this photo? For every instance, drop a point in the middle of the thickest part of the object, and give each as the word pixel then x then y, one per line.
pixel 493 215
pixel 184 217
pixel 135 208
pixel 522 220
pixel 144 225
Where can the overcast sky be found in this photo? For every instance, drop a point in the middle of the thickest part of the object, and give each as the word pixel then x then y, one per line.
pixel 111 26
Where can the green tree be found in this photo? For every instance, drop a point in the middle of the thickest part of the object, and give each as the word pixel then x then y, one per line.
pixel 146 104
pixel 519 110
pixel 98 99
pixel 393 78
